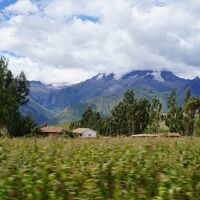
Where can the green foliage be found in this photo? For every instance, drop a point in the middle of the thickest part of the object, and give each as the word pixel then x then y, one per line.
pixel 13 94
pixel 174 118
pixel 90 119
pixel 122 168
pixel 74 125
pixel 106 127
pixel 22 88
pixel 131 116
pixel 68 134
pixel 22 126
pixel 183 119
pixel 187 95
pixel 119 120
pixel 197 126
pixel 136 116
pixel 129 97
pixel 154 116
pixel 191 111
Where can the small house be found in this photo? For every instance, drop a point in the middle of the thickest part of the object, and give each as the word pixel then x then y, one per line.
pixel 50 130
pixel 85 132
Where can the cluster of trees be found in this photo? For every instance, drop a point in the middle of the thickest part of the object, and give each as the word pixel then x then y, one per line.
pixel 13 95
pixel 185 119
pixel 89 119
pixel 137 116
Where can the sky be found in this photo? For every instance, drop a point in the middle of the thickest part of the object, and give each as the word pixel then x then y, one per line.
pixel 57 41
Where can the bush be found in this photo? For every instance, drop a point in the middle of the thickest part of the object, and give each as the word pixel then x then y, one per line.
pixel 23 126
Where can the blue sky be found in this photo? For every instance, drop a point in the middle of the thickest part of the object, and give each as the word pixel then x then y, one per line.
pixel 88 18
pixel 72 40
pixel 6 3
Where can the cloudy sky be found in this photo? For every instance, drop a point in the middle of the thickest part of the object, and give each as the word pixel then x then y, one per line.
pixel 72 40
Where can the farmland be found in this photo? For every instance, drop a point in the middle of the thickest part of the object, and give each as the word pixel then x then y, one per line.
pixel 118 168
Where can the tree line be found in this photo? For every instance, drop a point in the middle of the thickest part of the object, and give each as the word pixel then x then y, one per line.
pixel 137 116
pixel 13 95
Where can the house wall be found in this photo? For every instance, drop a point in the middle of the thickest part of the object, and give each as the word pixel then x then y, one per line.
pixel 89 133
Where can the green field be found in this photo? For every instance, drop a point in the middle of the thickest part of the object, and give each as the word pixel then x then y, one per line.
pixel 120 168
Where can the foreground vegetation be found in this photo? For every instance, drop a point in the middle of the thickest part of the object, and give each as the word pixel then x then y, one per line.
pixel 120 168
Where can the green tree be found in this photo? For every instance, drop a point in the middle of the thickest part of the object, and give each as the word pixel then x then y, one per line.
pixel 89 119
pixel 197 126
pixel 141 120
pixel 154 116
pixel 191 111
pixel 129 97
pixel 174 118
pixel 13 94
pixel 22 89
pixel 131 116
pixel 106 127
pixel 119 119
pixel 122 115
pixel 187 95
pixel 22 126
pixel 74 125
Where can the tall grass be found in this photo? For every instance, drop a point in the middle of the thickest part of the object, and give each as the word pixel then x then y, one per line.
pixel 121 168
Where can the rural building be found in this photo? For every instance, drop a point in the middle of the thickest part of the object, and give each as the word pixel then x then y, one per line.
pixel 172 135
pixel 50 130
pixel 145 135
pixel 85 132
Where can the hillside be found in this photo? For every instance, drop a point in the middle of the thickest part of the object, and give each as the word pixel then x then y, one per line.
pixel 56 104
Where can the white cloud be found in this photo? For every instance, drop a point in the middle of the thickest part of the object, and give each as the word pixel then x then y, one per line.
pixel 131 34
pixel 22 7
pixel 45 73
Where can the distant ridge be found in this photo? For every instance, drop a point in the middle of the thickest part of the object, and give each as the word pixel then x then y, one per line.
pixel 57 103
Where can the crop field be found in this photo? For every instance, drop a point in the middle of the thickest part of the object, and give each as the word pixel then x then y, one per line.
pixel 119 168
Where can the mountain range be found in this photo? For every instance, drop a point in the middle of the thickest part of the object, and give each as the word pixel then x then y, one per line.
pixel 57 103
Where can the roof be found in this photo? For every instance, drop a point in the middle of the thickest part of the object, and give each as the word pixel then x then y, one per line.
pixel 51 129
pixel 81 130
pixel 173 135
pixel 145 135
pixel 158 135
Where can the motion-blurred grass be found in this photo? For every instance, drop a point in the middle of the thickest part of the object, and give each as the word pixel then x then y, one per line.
pixel 118 168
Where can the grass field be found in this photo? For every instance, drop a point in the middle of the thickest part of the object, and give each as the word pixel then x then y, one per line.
pixel 120 168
